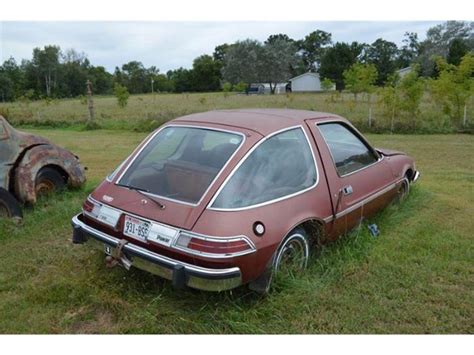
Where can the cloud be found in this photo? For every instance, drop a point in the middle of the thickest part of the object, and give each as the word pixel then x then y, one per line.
pixel 169 45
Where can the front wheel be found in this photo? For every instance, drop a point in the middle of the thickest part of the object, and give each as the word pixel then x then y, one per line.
pixel 403 190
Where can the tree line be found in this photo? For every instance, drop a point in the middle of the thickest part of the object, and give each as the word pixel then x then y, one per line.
pixel 54 73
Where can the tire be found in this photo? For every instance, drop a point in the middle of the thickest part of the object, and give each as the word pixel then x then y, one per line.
pixel 49 180
pixel 293 254
pixel 403 190
pixel 290 258
pixel 9 206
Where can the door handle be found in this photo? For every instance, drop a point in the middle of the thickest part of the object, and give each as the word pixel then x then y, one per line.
pixel 347 190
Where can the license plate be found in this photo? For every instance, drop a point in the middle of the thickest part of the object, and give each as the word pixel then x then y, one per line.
pixel 136 228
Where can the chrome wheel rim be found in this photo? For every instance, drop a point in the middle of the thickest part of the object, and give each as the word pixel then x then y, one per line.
pixel 403 190
pixel 293 256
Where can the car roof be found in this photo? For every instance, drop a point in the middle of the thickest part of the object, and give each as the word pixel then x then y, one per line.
pixel 263 121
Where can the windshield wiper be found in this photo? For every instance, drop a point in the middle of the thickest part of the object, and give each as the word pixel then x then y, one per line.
pixel 143 193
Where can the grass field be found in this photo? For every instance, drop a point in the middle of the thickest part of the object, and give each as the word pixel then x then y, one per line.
pixel 145 112
pixel 416 277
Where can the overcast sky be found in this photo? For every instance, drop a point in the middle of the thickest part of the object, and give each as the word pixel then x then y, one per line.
pixel 169 45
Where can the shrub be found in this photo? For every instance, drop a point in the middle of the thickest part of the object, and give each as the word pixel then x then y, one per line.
pixel 454 86
pixel 327 84
pixel 240 87
pixel 122 95
pixel 360 78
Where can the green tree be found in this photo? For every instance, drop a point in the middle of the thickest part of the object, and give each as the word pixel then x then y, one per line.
pixel 134 77
pixel 7 92
pixel 454 85
pixel 389 98
pixel 45 69
pixel 242 62
pixel 338 58
pixel 409 50
pixel 411 89
pixel 122 95
pixel 438 40
pixel 220 51
pixel 458 48
pixel 181 79
pixel 206 74
pixel 279 56
pixel 383 54
pixel 279 37
pixel 312 47
pixel 101 80
pixel 162 83
pixel 75 68
pixel 360 78
pixel 250 61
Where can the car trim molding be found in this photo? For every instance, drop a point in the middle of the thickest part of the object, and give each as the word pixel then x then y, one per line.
pixel 209 206
pixel 366 200
pixel 136 154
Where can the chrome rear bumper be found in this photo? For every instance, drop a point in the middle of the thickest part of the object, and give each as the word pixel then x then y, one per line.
pixel 179 272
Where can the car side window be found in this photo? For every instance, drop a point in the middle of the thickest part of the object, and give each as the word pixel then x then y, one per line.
pixel 348 151
pixel 280 166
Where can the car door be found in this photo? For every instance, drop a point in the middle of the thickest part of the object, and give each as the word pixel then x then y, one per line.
pixel 359 178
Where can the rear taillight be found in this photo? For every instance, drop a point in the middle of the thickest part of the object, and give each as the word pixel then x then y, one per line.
pixel 88 206
pixel 213 246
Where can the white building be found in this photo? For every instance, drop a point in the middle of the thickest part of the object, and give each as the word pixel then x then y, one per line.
pixel 307 82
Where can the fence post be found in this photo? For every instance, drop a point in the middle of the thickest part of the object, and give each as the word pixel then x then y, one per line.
pixel 90 102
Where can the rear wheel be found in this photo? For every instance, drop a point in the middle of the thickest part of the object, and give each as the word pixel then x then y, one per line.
pixel 290 259
pixel 9 206
pixel 48 181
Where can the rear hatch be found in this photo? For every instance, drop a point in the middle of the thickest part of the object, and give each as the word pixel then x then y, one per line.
pixel 183 179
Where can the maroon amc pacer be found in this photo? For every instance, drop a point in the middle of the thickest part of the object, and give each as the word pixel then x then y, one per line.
pixel 219 199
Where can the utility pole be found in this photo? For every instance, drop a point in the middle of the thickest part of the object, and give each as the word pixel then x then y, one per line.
pixel 152 82
pixel 90 102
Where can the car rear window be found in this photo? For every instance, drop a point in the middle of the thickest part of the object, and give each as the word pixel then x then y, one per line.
pixel 180 163
pixel 281 166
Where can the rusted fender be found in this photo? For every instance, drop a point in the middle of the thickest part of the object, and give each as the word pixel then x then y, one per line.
pixel 12 144
pixel 39 157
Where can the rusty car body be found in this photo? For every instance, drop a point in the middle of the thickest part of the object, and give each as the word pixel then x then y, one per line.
pixel 31 166
pixel 219 199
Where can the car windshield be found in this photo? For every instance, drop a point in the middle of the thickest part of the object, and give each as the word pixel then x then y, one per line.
pixel 180 163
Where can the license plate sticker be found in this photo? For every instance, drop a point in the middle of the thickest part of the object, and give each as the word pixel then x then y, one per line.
pixel 136 228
